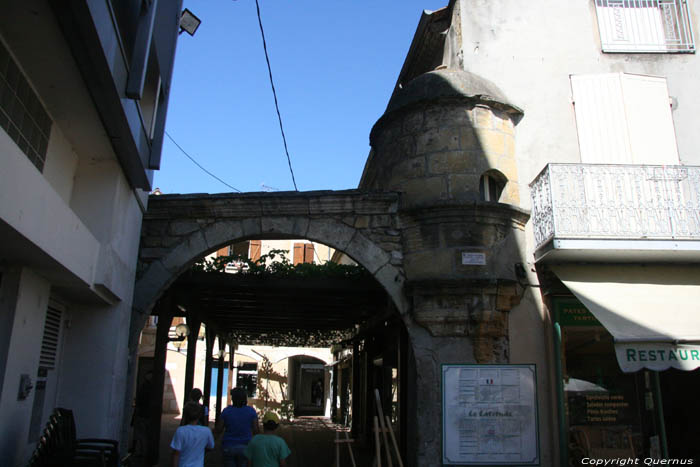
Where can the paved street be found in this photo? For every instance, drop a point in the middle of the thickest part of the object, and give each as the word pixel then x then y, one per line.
pixel 311 440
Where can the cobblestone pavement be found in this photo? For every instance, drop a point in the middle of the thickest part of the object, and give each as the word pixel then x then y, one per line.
pixel 311 440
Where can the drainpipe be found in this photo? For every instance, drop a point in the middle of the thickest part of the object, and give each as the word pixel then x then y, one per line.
pixel 660 414
pixel 563 436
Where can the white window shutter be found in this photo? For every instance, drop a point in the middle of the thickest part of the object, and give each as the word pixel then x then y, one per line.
pixel 649 120
pixel 623 119
pixel 600 119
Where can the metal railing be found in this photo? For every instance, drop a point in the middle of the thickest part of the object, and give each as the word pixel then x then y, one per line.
pixel 596 201
pixel 645 26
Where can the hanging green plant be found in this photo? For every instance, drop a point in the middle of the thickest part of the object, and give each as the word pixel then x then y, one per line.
pixel 277 263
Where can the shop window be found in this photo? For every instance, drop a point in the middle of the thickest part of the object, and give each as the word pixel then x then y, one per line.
pixel 491 185
pixel 609 414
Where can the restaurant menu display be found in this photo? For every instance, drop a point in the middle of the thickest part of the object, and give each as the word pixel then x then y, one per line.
pixel 489 415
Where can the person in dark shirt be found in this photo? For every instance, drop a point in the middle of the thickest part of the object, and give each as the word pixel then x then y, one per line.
pixel 239 422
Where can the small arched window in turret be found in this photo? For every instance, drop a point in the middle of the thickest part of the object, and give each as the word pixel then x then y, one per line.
pixel 491 185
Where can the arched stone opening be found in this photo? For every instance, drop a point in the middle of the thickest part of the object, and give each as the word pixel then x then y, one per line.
pixel 160 273
pixel 368 236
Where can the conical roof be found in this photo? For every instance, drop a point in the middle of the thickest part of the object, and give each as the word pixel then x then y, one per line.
pixel 450 83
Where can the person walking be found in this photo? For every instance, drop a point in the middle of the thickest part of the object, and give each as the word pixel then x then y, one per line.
pixel 268 449
pixel 239 422
pixel 191 440
pixel 195 396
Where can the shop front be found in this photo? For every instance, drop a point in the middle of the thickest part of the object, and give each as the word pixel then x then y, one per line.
pixel 627 346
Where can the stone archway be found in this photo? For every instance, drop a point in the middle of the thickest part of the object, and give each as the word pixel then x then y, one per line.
pixel 179 229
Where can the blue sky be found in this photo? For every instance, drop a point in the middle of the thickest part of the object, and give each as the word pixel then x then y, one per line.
pixel 334 64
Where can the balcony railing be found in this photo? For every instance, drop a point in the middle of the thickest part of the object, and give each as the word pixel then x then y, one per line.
pixel 629 202
pixel 645 26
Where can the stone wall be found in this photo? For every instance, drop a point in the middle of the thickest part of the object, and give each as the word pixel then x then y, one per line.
pixel 179 229
pixel 439 150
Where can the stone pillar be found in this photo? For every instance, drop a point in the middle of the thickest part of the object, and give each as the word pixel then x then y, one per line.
pixel 194 323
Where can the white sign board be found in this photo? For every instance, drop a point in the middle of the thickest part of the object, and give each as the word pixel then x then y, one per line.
pixel 657 356
pixel 489 415
pixel 473 259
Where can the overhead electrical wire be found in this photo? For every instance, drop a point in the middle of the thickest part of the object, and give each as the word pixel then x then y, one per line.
pixel 198 164
pixel 274 94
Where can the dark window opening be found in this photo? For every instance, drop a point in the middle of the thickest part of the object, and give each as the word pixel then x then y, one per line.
pixel 22 115
pixel 247 378
pixel 491 186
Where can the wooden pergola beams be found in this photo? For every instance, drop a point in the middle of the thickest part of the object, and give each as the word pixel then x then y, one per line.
pixel 273 308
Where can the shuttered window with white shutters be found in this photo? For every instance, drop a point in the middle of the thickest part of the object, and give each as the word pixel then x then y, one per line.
pixel 623 118
pixel 645 26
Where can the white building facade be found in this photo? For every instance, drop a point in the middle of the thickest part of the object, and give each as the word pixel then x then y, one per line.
pixel 84 91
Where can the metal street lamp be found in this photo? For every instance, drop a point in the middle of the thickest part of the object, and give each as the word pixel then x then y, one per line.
pixel 181 332
pixel 189 22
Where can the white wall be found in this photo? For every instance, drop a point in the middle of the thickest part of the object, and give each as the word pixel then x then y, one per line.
pixel 38 213
pixel 24 298
pixel 73 230
pixel 322 253
pixel 529 49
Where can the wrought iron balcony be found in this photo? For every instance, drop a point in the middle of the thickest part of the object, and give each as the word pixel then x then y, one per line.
pixel 645 26
pixel 609 210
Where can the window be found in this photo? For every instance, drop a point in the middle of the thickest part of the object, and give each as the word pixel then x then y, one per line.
pixel 22 115
pixel 605 412
pixel 644 26
pixel 624 119
pixel 248 378
pixel 255 250
pixel 491 185
pixel 303 253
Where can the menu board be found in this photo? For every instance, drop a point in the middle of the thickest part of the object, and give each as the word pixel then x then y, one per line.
pixel 599 408
pixel 489 415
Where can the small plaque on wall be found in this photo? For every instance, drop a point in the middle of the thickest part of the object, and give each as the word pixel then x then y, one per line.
pixel 473 259
pixel 489 415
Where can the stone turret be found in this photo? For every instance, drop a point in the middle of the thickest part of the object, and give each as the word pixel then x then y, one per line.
pixel 447 143
pixel 439 135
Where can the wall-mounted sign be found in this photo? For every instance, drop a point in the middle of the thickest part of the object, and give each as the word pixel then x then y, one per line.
pixel 489 415
pixel 473 259
pixel 576 315
pixel 657 356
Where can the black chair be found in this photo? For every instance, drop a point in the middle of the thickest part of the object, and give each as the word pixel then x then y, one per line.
pixel 59 446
